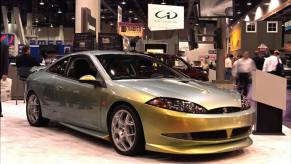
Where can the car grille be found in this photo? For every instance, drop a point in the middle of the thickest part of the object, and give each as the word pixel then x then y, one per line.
pixel 224 110
pixel 211 135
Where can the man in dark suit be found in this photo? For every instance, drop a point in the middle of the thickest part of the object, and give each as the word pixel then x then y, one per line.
pixel 26 60
pixel 4 64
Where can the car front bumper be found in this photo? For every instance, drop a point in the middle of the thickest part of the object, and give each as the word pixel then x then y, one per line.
pixel 182 133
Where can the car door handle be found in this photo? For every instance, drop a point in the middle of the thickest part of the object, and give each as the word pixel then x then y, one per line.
pixel 59 87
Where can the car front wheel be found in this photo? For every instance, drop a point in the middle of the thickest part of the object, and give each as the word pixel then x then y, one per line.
pixel 126 131
pixel 33 111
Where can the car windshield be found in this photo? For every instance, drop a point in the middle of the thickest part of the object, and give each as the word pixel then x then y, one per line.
pixel 120 66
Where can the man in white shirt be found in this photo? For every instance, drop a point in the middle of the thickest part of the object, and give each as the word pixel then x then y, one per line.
pixel 271 63
pixel 228 67
pixel 244 68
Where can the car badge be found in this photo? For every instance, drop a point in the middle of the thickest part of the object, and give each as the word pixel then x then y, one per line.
pixel 224 110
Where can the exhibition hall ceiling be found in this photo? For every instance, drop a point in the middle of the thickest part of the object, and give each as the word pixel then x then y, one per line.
pixel 61 12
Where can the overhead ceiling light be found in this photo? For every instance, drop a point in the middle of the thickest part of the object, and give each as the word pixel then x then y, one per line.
pixel 59 11
pixel 259 13
pixel 51 26
pixel 135 18
pixel 130 11
pixel 123 2
pixel 273 5
pixel 38 29
pixel 102 17
pixel 163 2
pixel 73 18
pixel 36 21
pixel 238 12
pixel 111 24
pixel 247 18
pixel 249 3
pixel 41 2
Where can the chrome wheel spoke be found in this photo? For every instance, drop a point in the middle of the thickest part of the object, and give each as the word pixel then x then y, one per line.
pixel 128 120
pixel 129 140
pixel 129 135
pixel 121 141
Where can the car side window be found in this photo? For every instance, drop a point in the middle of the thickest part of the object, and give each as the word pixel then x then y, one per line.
pixel 81 66
pixel 59 67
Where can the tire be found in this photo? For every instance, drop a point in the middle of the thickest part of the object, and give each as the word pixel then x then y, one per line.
pixel 126 132
pixel 33 111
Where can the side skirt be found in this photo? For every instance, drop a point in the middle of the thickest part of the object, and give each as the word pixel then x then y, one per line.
pixel 93 133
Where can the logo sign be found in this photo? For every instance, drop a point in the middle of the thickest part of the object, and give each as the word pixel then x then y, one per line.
pixel 165 17
pixel 166 14
pixel 130 29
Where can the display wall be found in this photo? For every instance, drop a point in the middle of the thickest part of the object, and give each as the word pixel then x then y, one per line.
pixel 48 33
pixel 251 40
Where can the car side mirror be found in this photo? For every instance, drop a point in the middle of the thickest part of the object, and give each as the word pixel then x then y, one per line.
pixel 89 79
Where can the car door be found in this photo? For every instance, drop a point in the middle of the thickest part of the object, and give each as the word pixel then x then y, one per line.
pixel 83 99
pixel 53 98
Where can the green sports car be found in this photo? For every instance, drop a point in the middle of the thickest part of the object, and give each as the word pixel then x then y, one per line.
pixel 138 103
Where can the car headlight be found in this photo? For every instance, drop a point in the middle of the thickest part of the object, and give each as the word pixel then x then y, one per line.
pixel 177 105
pixel 245 104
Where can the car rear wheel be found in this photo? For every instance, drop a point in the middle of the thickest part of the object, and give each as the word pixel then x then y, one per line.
pixel 126 131
pixel 33 111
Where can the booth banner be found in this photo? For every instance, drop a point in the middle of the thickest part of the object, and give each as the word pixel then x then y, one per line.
pixel 165 17
pixel 59 42
pixel 130 29
pixel 41 42
pixel 20 49
pixel 184 46
pixel 50 42
pixel 7 38
pixel 32 42
pixel 235 38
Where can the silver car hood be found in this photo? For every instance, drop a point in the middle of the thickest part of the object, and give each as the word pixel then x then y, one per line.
pixel 202 93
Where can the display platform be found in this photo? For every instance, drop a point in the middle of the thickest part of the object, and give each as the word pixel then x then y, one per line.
pixel 21 143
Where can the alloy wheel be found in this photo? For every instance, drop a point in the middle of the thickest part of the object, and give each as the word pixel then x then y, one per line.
pixel 123 130
pixel 33 109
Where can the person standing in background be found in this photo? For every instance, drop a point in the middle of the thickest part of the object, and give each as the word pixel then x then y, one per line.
pixel 259 60
pixel 273 64
pixel 228 66
pixel 245 66
pixel 4 64
pixel 234 68
pixel 26 60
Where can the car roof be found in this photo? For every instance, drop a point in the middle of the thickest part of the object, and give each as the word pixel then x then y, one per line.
pixel 105 52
